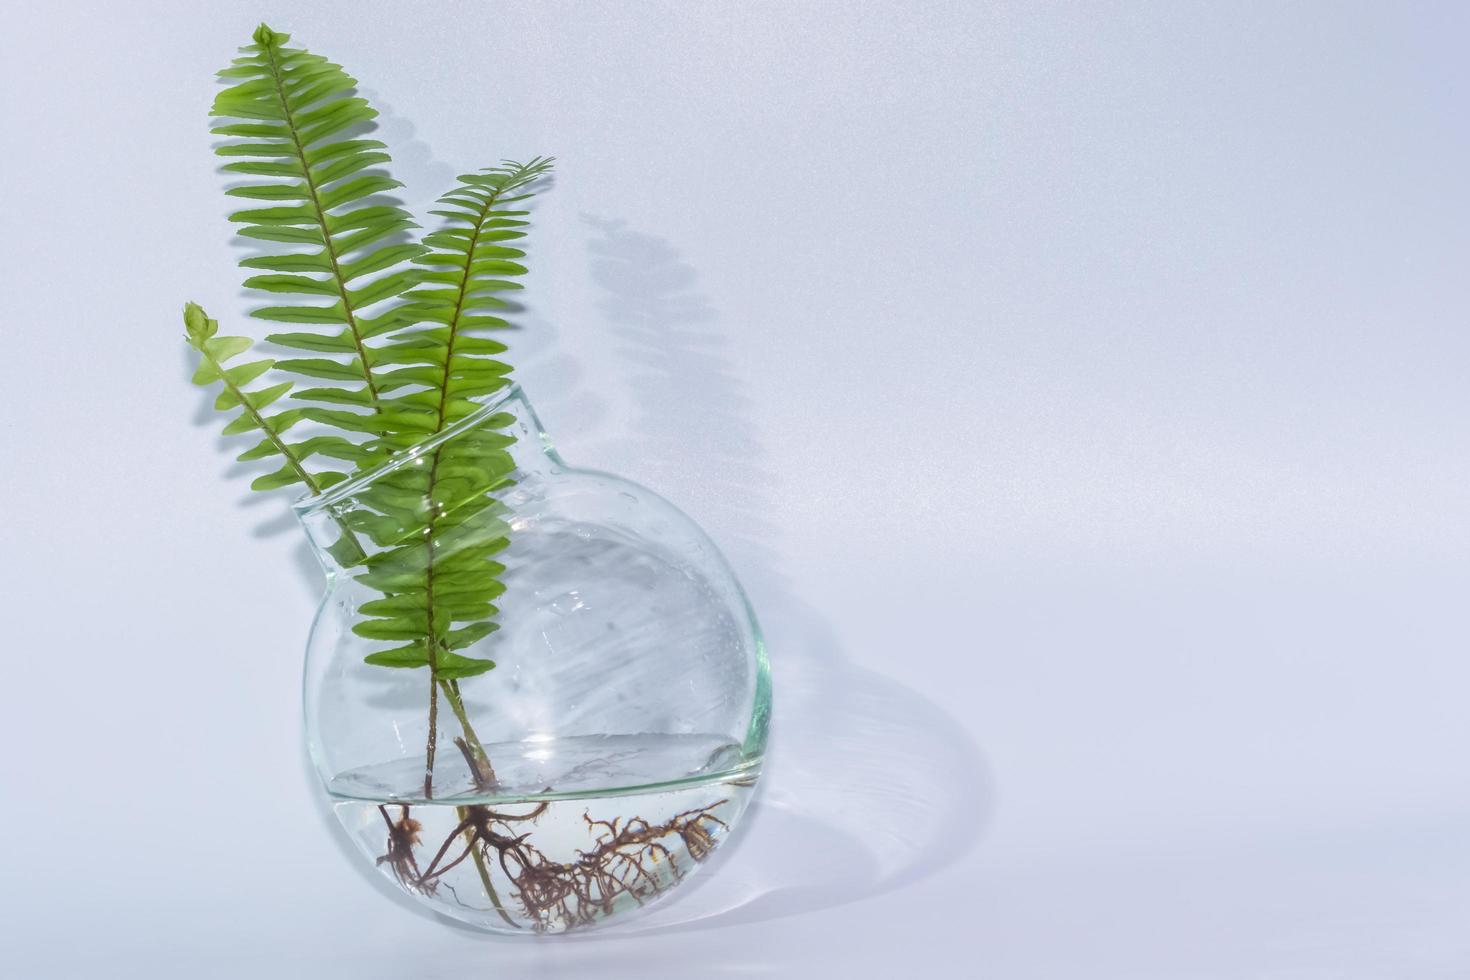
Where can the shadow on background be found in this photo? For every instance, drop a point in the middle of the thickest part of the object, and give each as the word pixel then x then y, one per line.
pixel 868 786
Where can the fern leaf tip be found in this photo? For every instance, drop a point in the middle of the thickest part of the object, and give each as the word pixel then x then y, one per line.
pixel 266 38
pixel 198 326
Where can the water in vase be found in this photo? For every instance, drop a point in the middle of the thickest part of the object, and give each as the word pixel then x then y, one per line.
pixel 552 848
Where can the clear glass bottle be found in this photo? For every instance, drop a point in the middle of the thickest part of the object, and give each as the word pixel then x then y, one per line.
pixel 618 736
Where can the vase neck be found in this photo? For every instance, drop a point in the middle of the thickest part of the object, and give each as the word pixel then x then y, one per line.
pixel 463 465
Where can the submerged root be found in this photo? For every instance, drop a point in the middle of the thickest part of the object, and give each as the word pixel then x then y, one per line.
pixel 403 837
pixel 628 860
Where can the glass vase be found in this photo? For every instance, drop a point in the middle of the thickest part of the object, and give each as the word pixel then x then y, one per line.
pixel 536 695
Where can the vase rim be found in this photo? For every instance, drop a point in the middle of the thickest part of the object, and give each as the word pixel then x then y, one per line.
pixel 310 504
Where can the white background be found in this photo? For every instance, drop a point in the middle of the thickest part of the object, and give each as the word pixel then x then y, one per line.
pixel 1080 390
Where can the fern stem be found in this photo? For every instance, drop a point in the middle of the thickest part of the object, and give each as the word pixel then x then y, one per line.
pixel 314 195
pixel 482 869
pixel 484 772
pixel 431 642
pixel 433 734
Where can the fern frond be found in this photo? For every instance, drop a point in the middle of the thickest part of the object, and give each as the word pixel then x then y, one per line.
pixel 467 265
pixel 290 116
pixel 215 351
pixel 439 570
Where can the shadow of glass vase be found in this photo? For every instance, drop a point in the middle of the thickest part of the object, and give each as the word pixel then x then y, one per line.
pixel 536 696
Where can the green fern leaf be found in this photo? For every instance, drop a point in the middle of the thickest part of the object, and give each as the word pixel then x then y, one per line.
pixel 292 112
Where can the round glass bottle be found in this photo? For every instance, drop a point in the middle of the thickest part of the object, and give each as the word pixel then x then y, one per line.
pixel 536 695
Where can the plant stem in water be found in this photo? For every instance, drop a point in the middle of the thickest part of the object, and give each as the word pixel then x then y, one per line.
pixel 482 869
pixel 479 760
pixel 433 739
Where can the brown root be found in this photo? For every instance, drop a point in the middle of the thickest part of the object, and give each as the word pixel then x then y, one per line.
pixel 403 837
pixel 628 859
